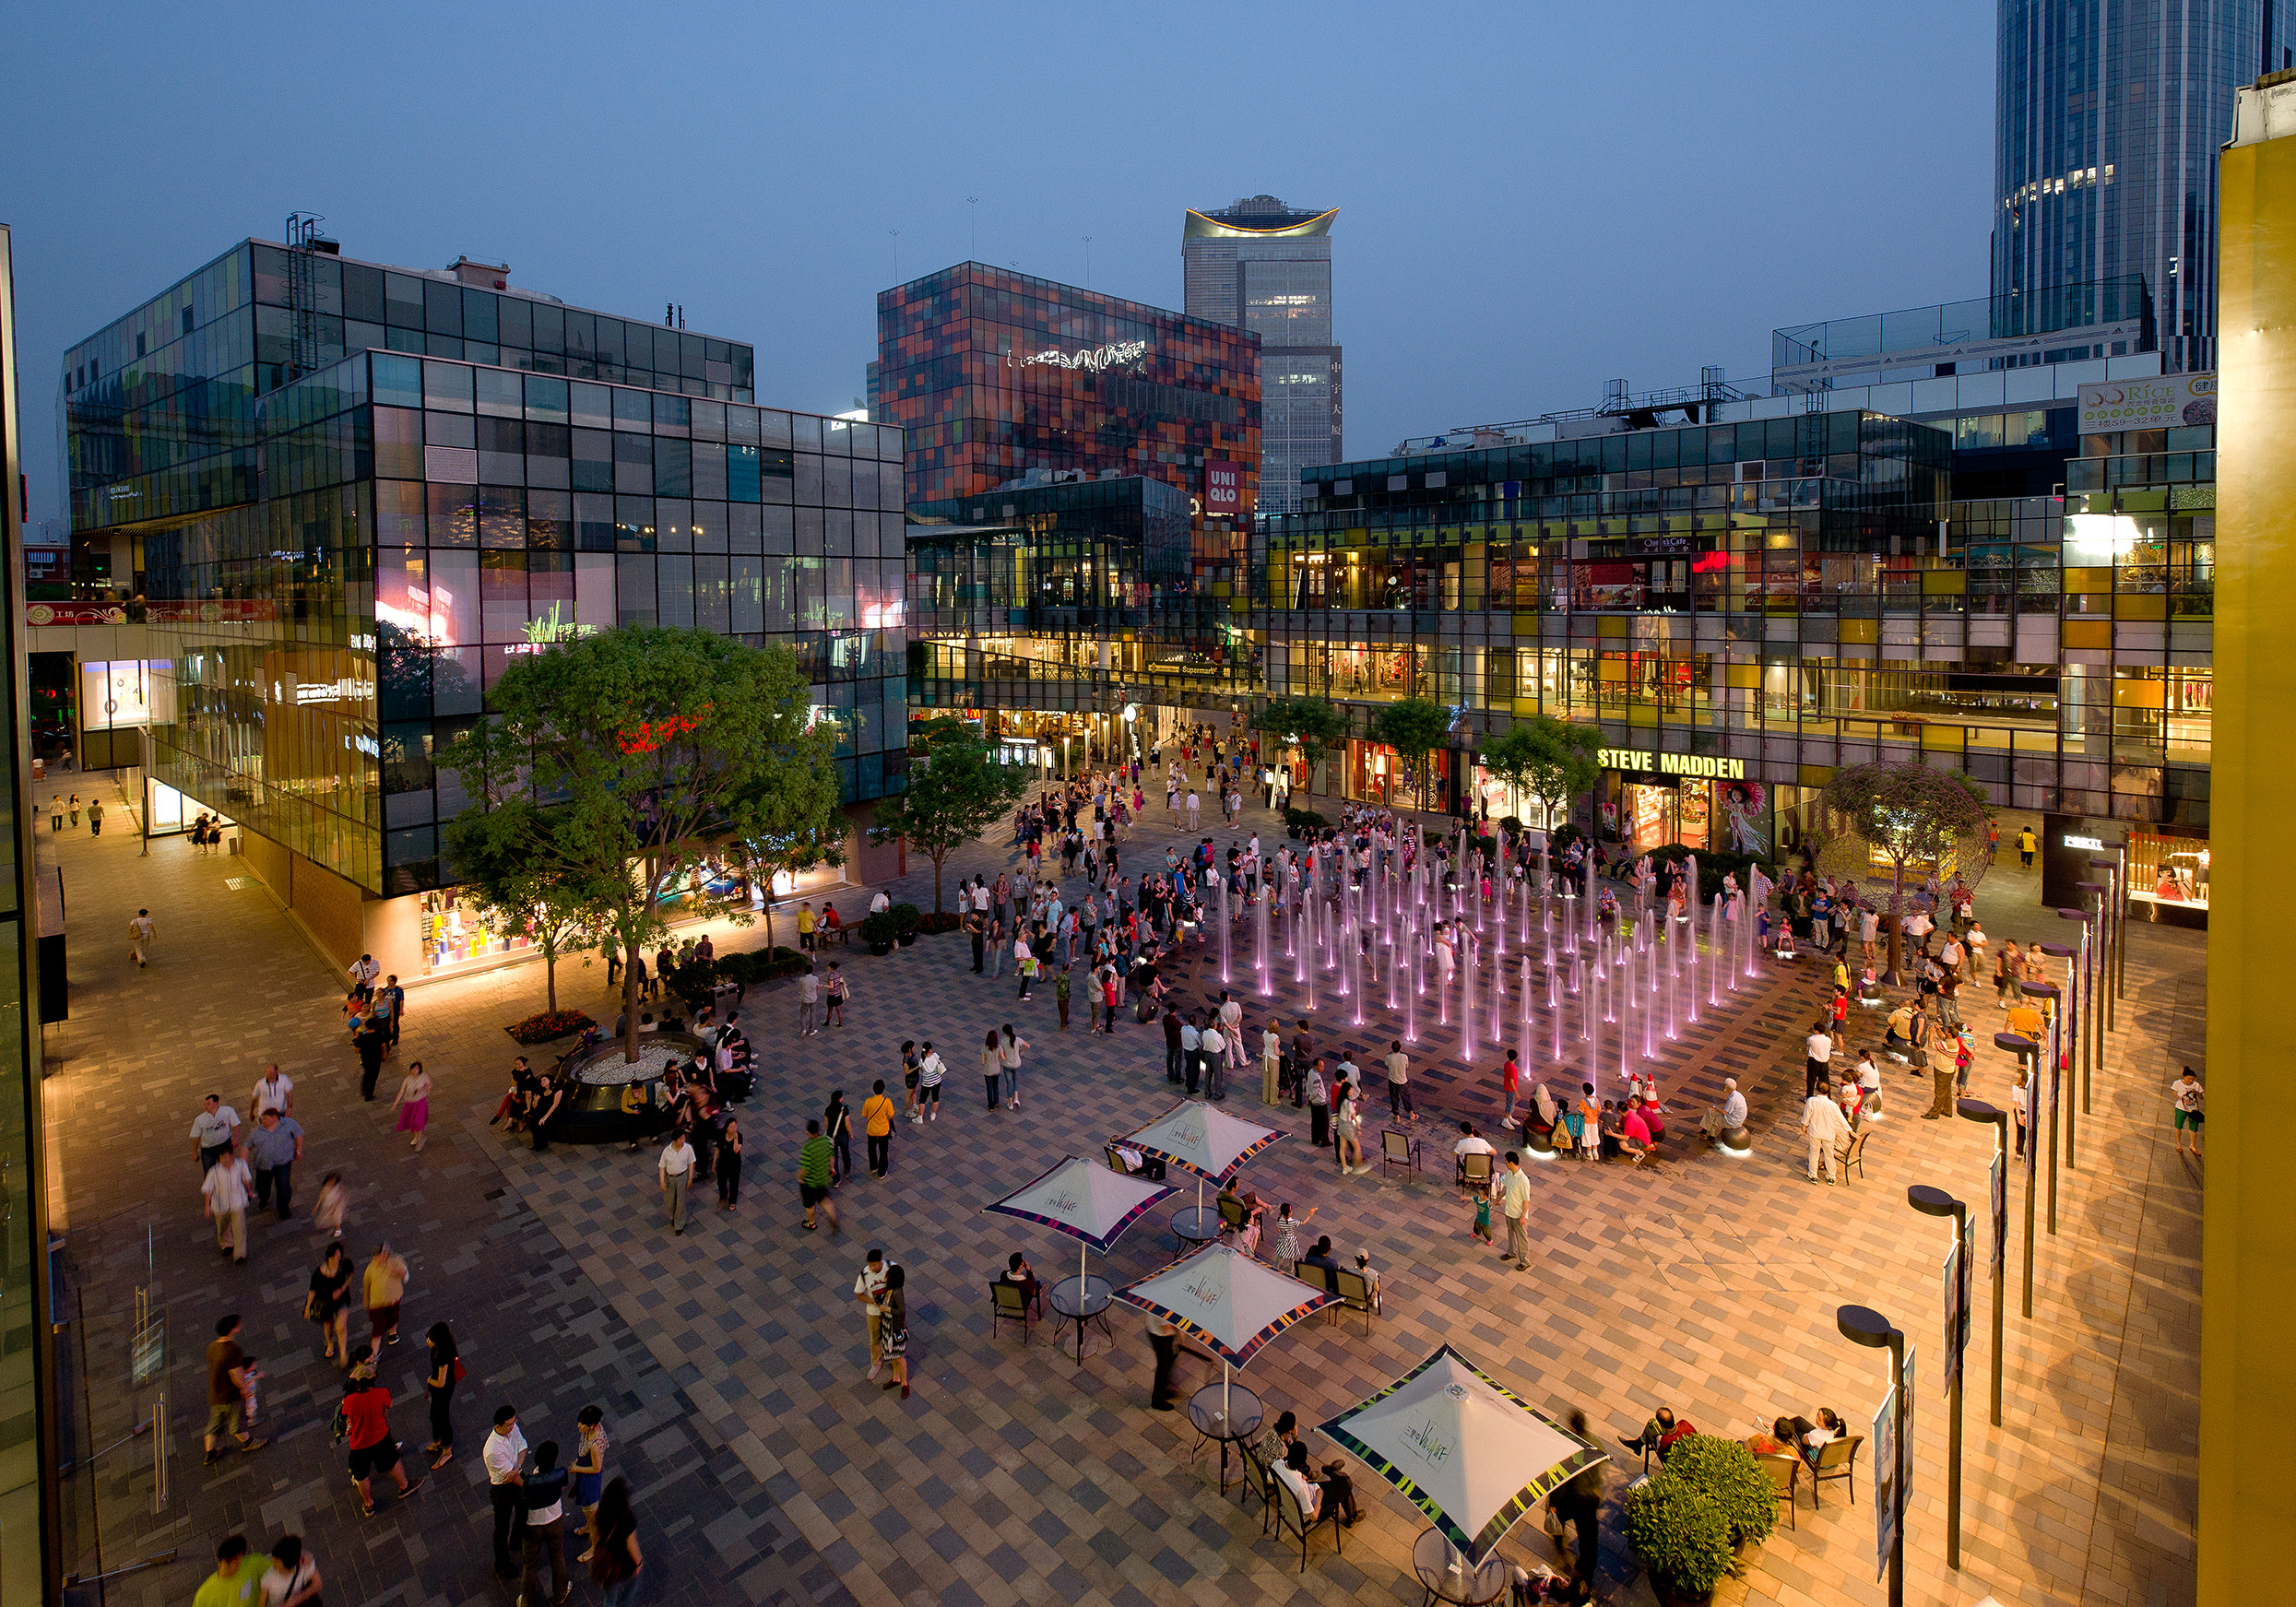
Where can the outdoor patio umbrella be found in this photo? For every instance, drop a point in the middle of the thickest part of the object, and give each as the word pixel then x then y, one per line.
pixel 1084 1200
pixel 1203 1137
pixel 1464 1449
pixel 1232 1302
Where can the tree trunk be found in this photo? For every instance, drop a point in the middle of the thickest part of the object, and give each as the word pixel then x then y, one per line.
pixel 630 1004
pixel 550 973
pixel 937 856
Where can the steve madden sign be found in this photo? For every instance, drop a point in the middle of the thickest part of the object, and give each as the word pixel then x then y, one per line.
pixel 1700 764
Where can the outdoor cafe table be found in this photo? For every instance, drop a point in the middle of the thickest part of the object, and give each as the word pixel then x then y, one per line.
pixel 1082 1298
pixel 1227 1413
pixel 1472 1586
pixel 1195 1224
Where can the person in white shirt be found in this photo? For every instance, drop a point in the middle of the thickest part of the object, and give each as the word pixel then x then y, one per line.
pixel 504 1454
pixel 1214 1047
pixel 1869 1086
pixel 1310 1492
pixel 2186 1093
pixel 676 1170
pixel 1819 1048
pixel 226 1188
pixel 1824 1126
pixel 140 932
pixel 1398 1064
pixel 881 904
pixel 1270 1062
pixel 1734 1106
pixel 274 1090
pixel 1192 1052
pixel 213 1129
pixel 868 1290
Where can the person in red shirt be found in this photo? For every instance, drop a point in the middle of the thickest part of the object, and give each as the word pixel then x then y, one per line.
pixel 1660 1434
pixel 367 1413
pixel 1509 1080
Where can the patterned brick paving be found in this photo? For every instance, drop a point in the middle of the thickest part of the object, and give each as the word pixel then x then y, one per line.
pixel 1013 1474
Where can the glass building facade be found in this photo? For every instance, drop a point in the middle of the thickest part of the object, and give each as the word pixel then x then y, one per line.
pixel 2106 124
pixel 1266 268
pixel 996 378
pixel 407 525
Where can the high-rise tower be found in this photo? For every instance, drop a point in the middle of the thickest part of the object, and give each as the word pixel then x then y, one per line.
pixel 1266 267
pixel 2107 117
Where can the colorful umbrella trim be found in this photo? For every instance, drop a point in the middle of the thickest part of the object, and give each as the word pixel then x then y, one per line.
pixel 1236 1355
pixel 1098 1242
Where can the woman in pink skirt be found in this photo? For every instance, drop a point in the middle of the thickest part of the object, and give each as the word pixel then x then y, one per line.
pixel 413 1104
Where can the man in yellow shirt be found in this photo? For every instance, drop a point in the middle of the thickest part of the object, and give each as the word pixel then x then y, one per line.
pixel 2026 1020
pixel 805 927
pixel 877 1114
pixel 233 1583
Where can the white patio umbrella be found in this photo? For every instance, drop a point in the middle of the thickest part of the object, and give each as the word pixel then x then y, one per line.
pixel 1203 1137
pixel 1084 1200
pixel 1233 1302
pixel 1463 1448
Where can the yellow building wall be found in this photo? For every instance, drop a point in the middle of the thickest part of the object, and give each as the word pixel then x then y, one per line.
pixel 2248 1232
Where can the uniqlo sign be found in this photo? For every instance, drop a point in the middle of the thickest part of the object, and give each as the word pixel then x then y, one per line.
pixel 1223 488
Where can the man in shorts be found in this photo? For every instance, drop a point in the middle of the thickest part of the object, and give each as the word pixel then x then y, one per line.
pixel 366 1412
pixel 227 1388
pixel 2186 1092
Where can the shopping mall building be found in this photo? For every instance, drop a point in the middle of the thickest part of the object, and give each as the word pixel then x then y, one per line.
pixel 350 495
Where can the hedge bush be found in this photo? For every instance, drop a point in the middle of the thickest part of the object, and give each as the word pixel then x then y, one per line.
pixel 1730 1473
pixel 1680 1532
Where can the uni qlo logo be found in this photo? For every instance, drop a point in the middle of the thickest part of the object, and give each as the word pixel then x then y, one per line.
pixel 1425 1438
pixel 1223 487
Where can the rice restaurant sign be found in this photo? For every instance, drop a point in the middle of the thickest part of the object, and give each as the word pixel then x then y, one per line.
pixel 1707 765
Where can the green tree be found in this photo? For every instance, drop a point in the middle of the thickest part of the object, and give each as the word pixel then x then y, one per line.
pixel 624 761
pixel 1913 813
pixel 1414 728
pixel 522 893
pixel 1554 761
pixel 795 849
pixel 957 792
pixel 1310 725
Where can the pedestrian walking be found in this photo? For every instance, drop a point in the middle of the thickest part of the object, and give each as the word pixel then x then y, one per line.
pixel 930 1069
pixel 676 1170
pixel 413 1104
pixel 274 1090
pixel 504 1454
pixel 894 1327
pixel 730 1164
pixel 1578 1506
pixel 2187 1096
pixel 869 1290
pixel 1060 987
pixel 808 1002
pixel 1824 1125
pixel 227 1370
pixel 837 1126
pixel 1271 1063
pixel 544 1494
pixel 366 1414
pixel 615 1565
pixel 439 1380
pixel 1009 1067
pixel 272 1150
pixel 95 818
pixel 992 1068
pixel 385 1285
pixel 813 1177
pixel 140 932
pixel 363 973
pixel 214 1129
pixel 293 1578
pixel 327 1304
pixel 328 1215
pixel 1399 1106
pixel 370 1041
pixel 588 1471
pixel 390 1009
pixel 877 1114
pixel 226 1189
pixel 234 1582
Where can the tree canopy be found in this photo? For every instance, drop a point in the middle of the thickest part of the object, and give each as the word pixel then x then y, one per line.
pixel 1310 725
pixel 1554 761
pixel 621 763
pixel 536 896
pixel 957 790
pixel 1913 813
pixel 1414 728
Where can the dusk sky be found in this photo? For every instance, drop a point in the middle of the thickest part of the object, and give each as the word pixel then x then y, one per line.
pixel 1531 200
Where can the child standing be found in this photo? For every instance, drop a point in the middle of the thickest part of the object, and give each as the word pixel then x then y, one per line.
pixel 837 992
pixel 1481 1228
pixel 328 1215
pixel 1287 1234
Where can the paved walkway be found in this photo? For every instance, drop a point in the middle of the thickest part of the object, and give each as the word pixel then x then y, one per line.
pixel 1014 1475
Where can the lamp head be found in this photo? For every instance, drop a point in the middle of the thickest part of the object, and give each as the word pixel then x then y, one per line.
pixel 2096 887
pixel 1979 1110
pixel 2015 1042
pixel 2056 951
pixel 1931 1201
pixel 1861 1325
pixel 2072 914
pixel 2038 989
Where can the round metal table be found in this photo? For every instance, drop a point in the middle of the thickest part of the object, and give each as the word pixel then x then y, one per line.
pixel 1227 1413
pixel 1081 1299
pixel 1195 1225
pixel 1431 1557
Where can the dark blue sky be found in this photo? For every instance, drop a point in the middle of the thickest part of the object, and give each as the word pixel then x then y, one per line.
pixel 1533 200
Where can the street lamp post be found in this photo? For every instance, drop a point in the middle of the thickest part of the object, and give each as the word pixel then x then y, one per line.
pixel 2022 1046
pixel 2120 919
pixel 1997 1200
pixel 2076 1023
pixel 2099 928
pixel 2110 907
pixel 1861 1325
pixel 1932 1201
pixel 2052 1006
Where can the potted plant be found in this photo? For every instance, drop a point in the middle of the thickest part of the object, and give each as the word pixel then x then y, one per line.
pixel 879 933
pixel 906 919
pixel 1728 1474
pixel 1682 1536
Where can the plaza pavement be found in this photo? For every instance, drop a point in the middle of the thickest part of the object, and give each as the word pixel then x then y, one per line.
pixel 761 1456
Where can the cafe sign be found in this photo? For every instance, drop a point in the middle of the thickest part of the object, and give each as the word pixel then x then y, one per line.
pixel 1709 766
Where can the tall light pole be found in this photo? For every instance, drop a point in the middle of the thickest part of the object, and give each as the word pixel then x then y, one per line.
pixel 2052 1006
pixel 1861 1325
pixel 2076 1024
pixel 1937 1203
pixel 1997 1201
pixel 2115 906
pixel 2022 1047
pixel 2101 933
